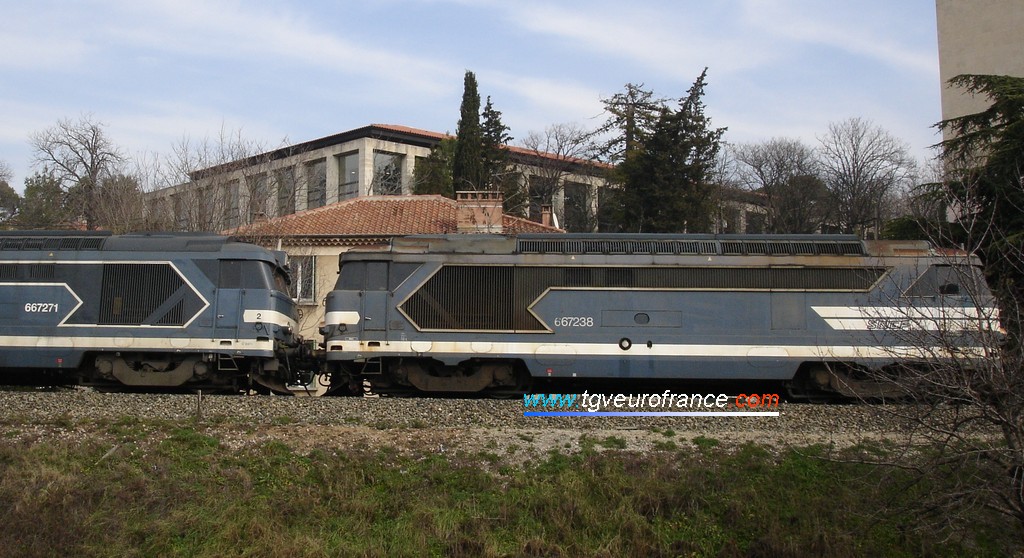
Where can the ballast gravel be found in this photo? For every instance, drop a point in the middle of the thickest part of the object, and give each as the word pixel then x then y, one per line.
pixel 425 425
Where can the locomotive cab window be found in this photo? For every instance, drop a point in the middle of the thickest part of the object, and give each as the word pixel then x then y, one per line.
pixel 281 282
pixel 352 276
pixel 245 274
pixel 947 280
pixel 373 276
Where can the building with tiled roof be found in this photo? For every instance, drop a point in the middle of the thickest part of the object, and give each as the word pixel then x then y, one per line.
pixel 375 160
pixel 365 220
pixel 315 238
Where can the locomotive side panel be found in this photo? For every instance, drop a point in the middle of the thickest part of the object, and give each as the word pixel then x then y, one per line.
pixel 454 318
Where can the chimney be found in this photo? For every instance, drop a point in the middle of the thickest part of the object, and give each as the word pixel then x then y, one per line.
pixel 545 215
pixel 479 212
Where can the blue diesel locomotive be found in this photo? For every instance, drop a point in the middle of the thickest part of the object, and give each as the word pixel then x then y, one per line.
pixel 494 314
pixel 148 311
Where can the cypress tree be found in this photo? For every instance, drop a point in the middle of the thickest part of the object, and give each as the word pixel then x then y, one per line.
pixel 467 165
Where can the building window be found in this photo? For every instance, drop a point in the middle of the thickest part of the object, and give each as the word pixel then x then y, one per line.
pixel 259 195
pixel 303 287
pixel 316 184
pixel 285 191
pixel 180 216
pixel 387 174
pixel 230 204
pixel 348 175
pixel 542 192
pixel 579 215
pixel 755 223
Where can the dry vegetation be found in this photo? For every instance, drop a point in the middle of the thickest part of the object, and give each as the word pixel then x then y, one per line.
pixel 140 487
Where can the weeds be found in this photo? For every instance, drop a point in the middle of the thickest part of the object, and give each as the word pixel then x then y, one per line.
pixel 613 442
pixel 183 493
pixel 705 443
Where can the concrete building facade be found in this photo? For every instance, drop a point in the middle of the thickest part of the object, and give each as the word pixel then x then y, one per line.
pixel 977 37
pixel 375 160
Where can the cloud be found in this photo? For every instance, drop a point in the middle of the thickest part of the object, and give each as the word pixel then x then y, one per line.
pixel 233 32
pixel 856 28
pixel 666 37
pixel 24 51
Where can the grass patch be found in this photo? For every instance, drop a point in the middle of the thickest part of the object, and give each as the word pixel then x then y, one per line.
pixel 613 442
pixel 181 492
pixel 705 443
pixel 665 445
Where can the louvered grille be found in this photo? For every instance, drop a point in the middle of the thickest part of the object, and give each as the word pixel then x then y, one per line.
pixel 56 243
pixel 128 299
pixel 497 298
pixel 41 271
pixel 465 297
pixel 174 316
pixel 691 247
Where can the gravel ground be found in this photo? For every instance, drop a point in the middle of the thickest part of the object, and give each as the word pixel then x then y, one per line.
pixel 427 425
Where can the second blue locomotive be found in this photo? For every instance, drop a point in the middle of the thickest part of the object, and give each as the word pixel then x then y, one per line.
pixel 479 314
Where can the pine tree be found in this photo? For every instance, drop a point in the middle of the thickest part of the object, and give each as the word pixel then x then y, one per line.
pixel 667 185
pixel 633 115
pixel 467 165
pixel 988 147
pixel 985 157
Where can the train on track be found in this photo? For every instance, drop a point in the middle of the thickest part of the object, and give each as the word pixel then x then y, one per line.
pixel 487 315
pixel 477 314
pixel 143 311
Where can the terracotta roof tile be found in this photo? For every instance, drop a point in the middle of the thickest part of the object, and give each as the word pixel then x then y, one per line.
pixel 378 216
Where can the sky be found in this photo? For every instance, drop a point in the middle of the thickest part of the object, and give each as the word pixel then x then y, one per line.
pixel 155 73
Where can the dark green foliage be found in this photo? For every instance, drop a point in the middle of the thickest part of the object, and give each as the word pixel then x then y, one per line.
pixel 10 201
pixel 44 204
pixel 988 148
pixel 938 232
pixel 433 175
pixel 667 185
pixel 633 116
pixel 476 159
pixel 468 165
pixel 987 151
pixel 907 228
pixel 495 137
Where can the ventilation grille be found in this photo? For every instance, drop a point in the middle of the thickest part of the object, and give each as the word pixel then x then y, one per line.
pixel 497 298
pixel 128 299
pixel 56 243
pixel 174 316
pixel 692 247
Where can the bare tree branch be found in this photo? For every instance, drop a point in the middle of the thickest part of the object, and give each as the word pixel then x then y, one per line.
pixel 80 155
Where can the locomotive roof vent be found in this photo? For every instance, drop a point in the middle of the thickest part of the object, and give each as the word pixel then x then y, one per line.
pixel 695 246
pixel 51 242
